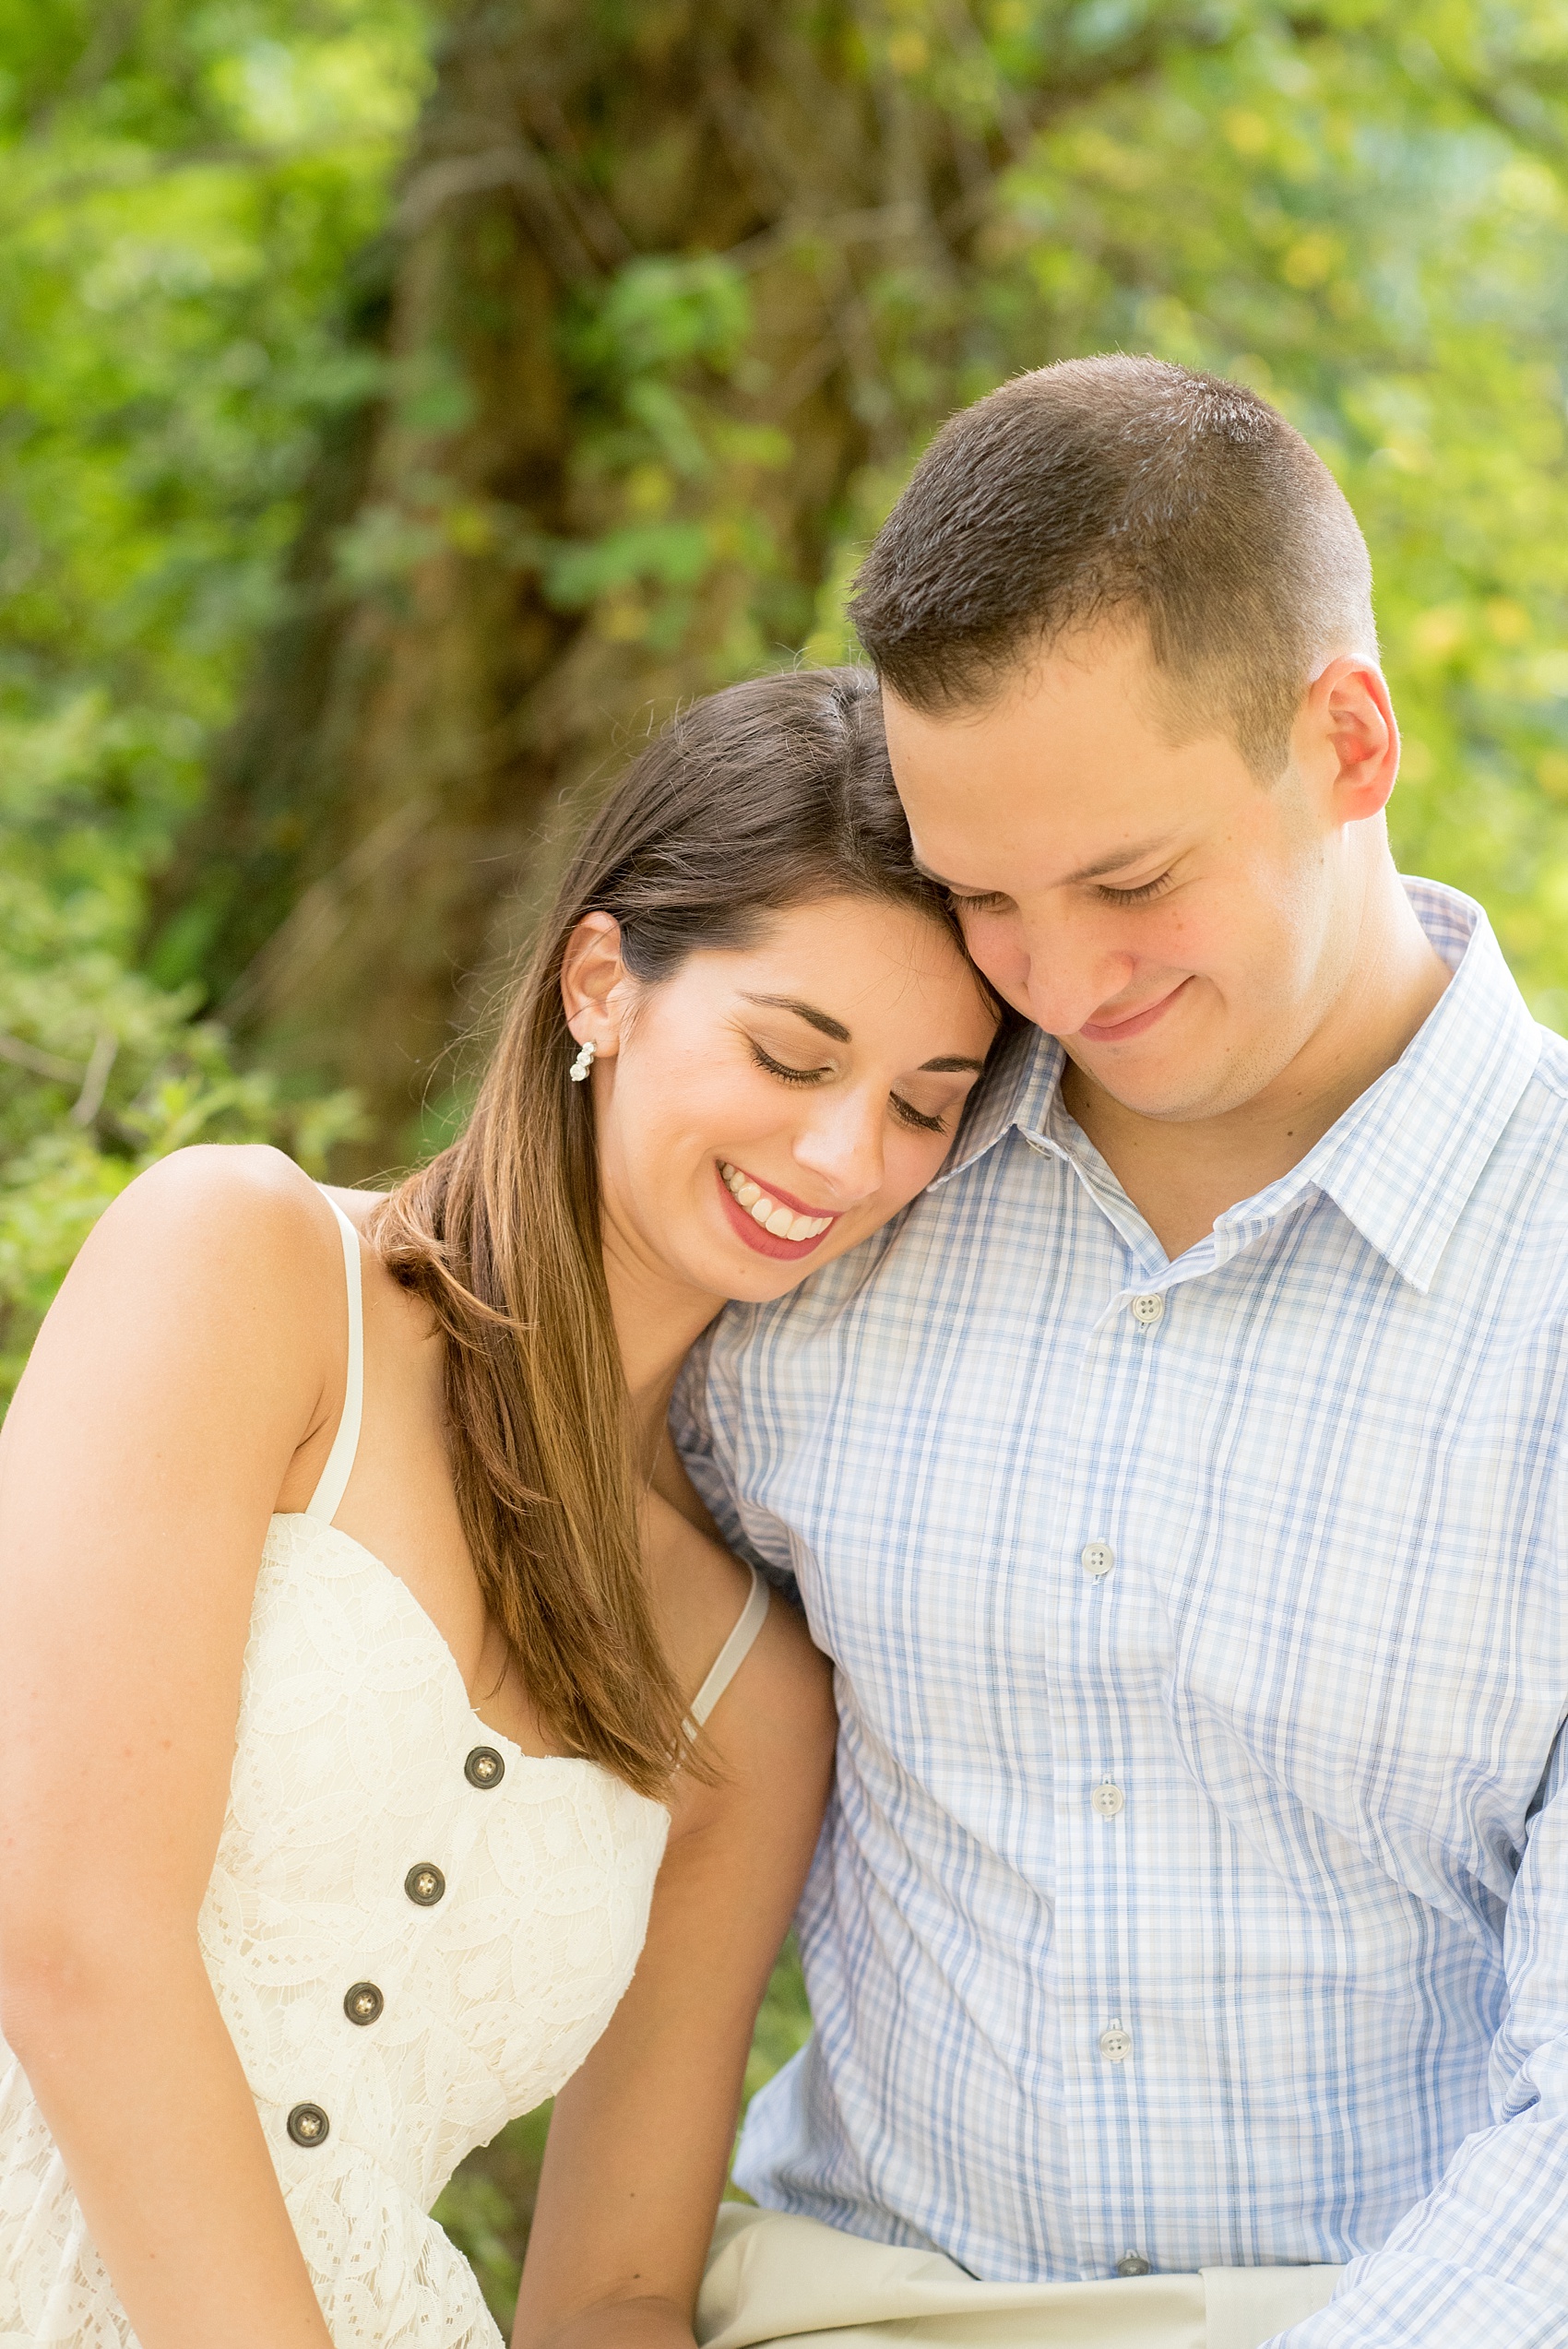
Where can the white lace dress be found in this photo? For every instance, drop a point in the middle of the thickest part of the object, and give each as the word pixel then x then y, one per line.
pixel 415 1932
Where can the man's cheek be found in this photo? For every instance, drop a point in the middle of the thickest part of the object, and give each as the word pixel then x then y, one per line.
pixel 1007 967
pixel 995 945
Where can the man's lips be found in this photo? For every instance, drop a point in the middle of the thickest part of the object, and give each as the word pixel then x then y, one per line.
pixel 1123 1031
pixel 768 1243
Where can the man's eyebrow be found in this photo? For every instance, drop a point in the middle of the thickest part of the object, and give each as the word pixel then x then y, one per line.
pixel 823 1020
pixel 1113 864
pixel 928 873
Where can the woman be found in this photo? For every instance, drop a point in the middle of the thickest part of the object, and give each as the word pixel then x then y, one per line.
pixel 355 1668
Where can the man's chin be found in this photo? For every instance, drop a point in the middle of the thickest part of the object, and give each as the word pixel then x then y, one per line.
pixel 1169 1094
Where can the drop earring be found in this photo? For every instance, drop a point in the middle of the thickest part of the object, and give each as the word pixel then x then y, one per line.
pixel 586 1055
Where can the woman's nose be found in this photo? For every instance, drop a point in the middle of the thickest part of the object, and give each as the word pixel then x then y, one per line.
pixel 842 1146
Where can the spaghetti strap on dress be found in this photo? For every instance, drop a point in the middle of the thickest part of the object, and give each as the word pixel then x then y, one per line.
pixel 333 1482
pixel 731 1656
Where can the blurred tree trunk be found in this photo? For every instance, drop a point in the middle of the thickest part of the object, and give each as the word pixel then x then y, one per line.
pixel 673 289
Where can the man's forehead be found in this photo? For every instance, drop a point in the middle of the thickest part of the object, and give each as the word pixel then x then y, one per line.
pixel 1016 796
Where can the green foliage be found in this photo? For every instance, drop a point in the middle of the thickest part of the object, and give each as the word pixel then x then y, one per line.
pixel 648 349
pixel 185 191
pixel 101 1070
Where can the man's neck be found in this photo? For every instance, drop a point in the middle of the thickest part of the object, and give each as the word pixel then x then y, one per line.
pixel 1182 1174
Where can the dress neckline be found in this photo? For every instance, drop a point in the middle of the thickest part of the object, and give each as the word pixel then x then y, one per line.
pixel 432 1634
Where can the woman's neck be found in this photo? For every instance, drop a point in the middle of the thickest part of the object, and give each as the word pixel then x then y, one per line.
pixel 658 1319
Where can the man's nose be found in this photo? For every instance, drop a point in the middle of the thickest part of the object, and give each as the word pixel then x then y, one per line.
pixel 1062 969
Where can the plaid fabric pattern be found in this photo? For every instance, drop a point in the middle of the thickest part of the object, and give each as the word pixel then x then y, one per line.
pixel 1196 1883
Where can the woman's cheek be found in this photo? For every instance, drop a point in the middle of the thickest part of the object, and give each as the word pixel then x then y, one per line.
pixel 912 1162
pixel 751 1106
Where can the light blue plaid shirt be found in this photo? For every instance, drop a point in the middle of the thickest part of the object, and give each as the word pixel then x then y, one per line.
pixel 1196 1886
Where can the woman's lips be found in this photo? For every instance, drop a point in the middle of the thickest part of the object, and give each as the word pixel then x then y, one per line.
pixel 1122 1031
pixel 756 1235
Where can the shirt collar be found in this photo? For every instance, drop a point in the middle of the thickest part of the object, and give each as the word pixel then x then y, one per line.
pixel 1401 1163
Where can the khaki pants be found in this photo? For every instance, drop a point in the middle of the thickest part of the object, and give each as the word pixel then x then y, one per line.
pixel 771 2277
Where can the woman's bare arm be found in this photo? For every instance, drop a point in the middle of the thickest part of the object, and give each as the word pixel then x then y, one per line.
pixel 187 1358
pixel 640 2140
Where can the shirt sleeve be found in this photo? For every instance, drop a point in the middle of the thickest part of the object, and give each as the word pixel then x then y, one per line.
pixel 1484 2257
pixel 705 1428
pixel 700 1426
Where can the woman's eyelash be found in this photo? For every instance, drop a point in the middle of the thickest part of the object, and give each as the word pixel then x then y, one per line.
pixel 1137 896
pixel 985 901
pixel 782 1069
pixel 911 1116
pixel 905 1111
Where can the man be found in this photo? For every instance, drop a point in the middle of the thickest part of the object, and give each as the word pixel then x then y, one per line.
pixel 1179 1485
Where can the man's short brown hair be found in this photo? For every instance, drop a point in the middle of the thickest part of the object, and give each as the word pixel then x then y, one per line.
pixel 1124 490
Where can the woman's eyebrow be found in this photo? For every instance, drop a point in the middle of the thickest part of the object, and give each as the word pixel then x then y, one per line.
pixel 944 1066
pixel 823 1020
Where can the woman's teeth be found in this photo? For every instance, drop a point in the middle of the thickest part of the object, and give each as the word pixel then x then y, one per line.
pixel 782 1222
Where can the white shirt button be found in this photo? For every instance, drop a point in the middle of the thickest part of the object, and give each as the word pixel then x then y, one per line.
pixel 1132 2263
pixel 1147 1311
pixel 1115 2042
pixel 1107 1800
pixel 1097 1558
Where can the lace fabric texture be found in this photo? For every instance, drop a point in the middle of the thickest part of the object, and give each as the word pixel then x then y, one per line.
pixel 349 1774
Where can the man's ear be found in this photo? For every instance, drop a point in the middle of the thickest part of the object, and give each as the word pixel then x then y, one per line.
pixel 595 983
pixel 1350 736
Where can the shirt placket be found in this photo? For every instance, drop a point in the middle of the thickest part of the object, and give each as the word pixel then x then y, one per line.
pixel 1105 1738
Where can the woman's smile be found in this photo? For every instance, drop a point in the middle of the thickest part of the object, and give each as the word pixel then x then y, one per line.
pixel 766 1218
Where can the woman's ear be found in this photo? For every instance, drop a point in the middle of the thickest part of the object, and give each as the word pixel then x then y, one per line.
pixel 595 983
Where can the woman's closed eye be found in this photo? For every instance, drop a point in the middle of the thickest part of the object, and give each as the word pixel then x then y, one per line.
pixel 783 1069
pixel 908 1114
pixel 787 1073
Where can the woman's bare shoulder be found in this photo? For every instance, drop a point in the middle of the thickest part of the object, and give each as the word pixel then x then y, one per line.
pixel 219 1177
pixel 239 1212
pixel 700 1591
pixel 359 1206
pixel 214 1262
pixel 786 1682
pixel 212 1193
pixel 770 1739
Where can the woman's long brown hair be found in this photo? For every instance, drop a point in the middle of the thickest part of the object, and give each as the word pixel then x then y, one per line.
pixel 760 798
